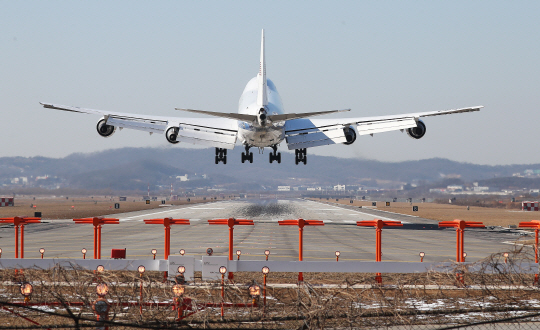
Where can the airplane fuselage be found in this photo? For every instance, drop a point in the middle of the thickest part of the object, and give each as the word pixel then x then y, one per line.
pixel 252 134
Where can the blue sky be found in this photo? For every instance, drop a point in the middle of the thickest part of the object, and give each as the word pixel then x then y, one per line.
pixel 377 57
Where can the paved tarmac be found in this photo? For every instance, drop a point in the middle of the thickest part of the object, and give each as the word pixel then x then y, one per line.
pixel 63 238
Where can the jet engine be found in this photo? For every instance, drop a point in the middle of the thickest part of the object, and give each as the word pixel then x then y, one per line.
pixel 417 132
pixel 171 134
pixel 350 135
pixel 103 129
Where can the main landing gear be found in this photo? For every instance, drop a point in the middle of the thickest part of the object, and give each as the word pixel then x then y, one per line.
pixel 221 155
pixel 275 156
pixel 247 155
pixel 300 156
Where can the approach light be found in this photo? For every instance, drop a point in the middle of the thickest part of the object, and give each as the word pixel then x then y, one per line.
pixel 222 270
pixel 42 251
pixel 267 253
pixel 26 289
pixel 100 269
pixel 337 255
pixel 182 252
pixel 181 269
pixel 0 253
pixel 178 290
pixel 154 252
pixel 265 270
pixel 254 291
pixel 422 254
pixel 209 251
pixel 102 289
pixel 83 251
pixel 141 269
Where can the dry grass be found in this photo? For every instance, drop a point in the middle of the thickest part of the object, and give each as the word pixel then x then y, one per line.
pixel 445 212
pixel 307 306
pixel 81 207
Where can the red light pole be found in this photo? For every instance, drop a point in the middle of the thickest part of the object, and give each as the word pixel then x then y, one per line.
pixel 167 222
pixel 301 223
pixel 379 224
pixel 19 222
pixel 460 226
pixel 536 225
pixel 97 222
pixel 231 222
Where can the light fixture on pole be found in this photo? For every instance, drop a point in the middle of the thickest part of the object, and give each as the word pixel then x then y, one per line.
pixel 209 251
pixel 265 271
pixel 182 252
pixel 337 255
pixel 267 253
pixel 464 256
pixel 505 255
pixel 222 271
pixel 141 269
pixel 42 251
pixel 422 254
pixel 238 253
pixel 178 291
pixel 26 290
pixel 0 253
pixel 154 252
pixel 100 269
pixel 83 251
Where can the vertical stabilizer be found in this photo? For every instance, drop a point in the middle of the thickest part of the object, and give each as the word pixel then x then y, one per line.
pixel 262 99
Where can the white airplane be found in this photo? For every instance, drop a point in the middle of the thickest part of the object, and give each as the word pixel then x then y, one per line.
pixel 261 122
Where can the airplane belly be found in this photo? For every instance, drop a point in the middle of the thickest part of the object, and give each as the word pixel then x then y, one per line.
pixel 260 137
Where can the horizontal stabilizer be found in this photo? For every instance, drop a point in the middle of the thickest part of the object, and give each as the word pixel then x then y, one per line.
pixel 237 116
pixel 287 116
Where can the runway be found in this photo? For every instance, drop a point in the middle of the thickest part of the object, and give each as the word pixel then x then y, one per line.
pixel 63 238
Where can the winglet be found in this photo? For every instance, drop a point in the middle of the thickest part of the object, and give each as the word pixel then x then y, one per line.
pixel 262 99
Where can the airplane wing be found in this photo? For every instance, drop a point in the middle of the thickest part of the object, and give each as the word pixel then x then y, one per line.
pixel 306 133
pixel 213 132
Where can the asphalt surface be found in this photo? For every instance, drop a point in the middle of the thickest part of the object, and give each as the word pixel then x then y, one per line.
pixel 63 238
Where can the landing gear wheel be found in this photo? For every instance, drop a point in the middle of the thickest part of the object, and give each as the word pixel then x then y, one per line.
pixel 250 157
pixel 275 156
pixel 279 158
pixel 300 156
pixel 247 155
pixel 221 155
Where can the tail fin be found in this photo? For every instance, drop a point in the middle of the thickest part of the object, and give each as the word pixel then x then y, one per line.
pixel 262 99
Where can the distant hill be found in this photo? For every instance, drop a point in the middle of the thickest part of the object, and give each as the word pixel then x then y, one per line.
pixel 134 168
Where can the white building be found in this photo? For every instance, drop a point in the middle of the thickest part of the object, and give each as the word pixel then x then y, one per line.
pixel 284 188
pixel 339 187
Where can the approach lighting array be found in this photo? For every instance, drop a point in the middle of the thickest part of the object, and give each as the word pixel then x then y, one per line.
pixel 222 270
pixel 42 251
pixel 505 255
pixel 100 269
pixel 83 251
pixel 265 270
pixel 254 291
pixel 154 252
pixel 337 255
pixel 0 253
pixel 181 269
pixel 464 255
pixel 238 253
pixel 182 252
pixel 26 289
pixel 209 251
pixel 422 254
pixel 267 253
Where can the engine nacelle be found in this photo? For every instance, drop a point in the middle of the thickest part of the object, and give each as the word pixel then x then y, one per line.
pixel 171 134
pixel 103 129
pixel 417 132
pixel 350 135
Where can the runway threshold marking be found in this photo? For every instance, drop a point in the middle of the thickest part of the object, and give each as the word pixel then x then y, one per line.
pixel 377 217
pixel 145 215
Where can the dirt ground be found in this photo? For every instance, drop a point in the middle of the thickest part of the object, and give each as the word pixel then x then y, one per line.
pixel 81 207
pixel 445 212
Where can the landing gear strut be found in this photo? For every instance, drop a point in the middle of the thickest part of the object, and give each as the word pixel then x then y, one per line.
pixel 300 156
pixel 221 155
pixel 275 156
pixel 247 155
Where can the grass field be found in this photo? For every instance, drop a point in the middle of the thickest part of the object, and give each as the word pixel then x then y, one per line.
pixel 445 212
pixel 81 207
